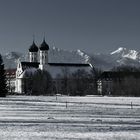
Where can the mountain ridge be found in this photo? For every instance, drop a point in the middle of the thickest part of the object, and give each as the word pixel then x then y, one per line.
pixel 121 56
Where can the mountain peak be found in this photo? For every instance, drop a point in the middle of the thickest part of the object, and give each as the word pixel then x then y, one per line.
pixel 126 53
pixel 119 50
pixel 82 54
pixel 132 54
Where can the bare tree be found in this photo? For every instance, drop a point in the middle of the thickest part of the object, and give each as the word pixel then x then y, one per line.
pixel 65 80
pixel 40 83
pixel 81 83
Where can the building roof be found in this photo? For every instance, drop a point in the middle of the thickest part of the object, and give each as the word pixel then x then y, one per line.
pixel 70 64
pixel 44 46
pixel 10 72
pixel 56 68
pixel 26 65
pixel 33 48
pixel 36 64
pixel 28 72
pixel 119 75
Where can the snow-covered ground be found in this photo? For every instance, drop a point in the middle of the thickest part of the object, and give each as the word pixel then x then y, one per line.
pixel 69 118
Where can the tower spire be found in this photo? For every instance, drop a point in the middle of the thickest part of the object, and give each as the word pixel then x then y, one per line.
pixel 33 38
pixel 33 51
pixel 44 37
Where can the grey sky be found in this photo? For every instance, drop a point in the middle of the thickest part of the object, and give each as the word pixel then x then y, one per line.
pixel 89 25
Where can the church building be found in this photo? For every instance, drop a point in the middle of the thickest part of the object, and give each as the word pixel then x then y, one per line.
pixel 38 59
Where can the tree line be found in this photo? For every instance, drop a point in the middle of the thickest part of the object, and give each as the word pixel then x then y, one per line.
pixel 129 84
pixel 78 83
pixel 81 82
pixel 3 84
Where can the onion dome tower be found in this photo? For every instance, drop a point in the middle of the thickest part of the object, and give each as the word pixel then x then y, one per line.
pixel 33 53
pixel 44 47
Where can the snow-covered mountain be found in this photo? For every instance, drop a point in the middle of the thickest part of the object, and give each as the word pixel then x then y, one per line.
pixel 125 56
pixel 121 56
pixel 64 56
pixel 10 59
pixel 125 53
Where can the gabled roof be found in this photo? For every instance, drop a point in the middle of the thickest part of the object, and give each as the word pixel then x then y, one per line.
pixel 29 65
pixel 10 72
pixel 56 68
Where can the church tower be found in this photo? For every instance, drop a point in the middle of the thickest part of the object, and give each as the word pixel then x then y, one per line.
pixel 33 53
pixel 44 47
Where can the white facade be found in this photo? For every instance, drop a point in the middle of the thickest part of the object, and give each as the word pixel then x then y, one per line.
pixel 18 86
pixel 22 70
pixel 18 83
pixel 19 78
pixel 43 59
pixel 33 56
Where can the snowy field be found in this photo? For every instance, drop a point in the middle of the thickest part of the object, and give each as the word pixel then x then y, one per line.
pixel 69 118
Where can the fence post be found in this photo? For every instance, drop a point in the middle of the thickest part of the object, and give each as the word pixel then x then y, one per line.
pixel 56 97
pixel 66 104
pixel 131 105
